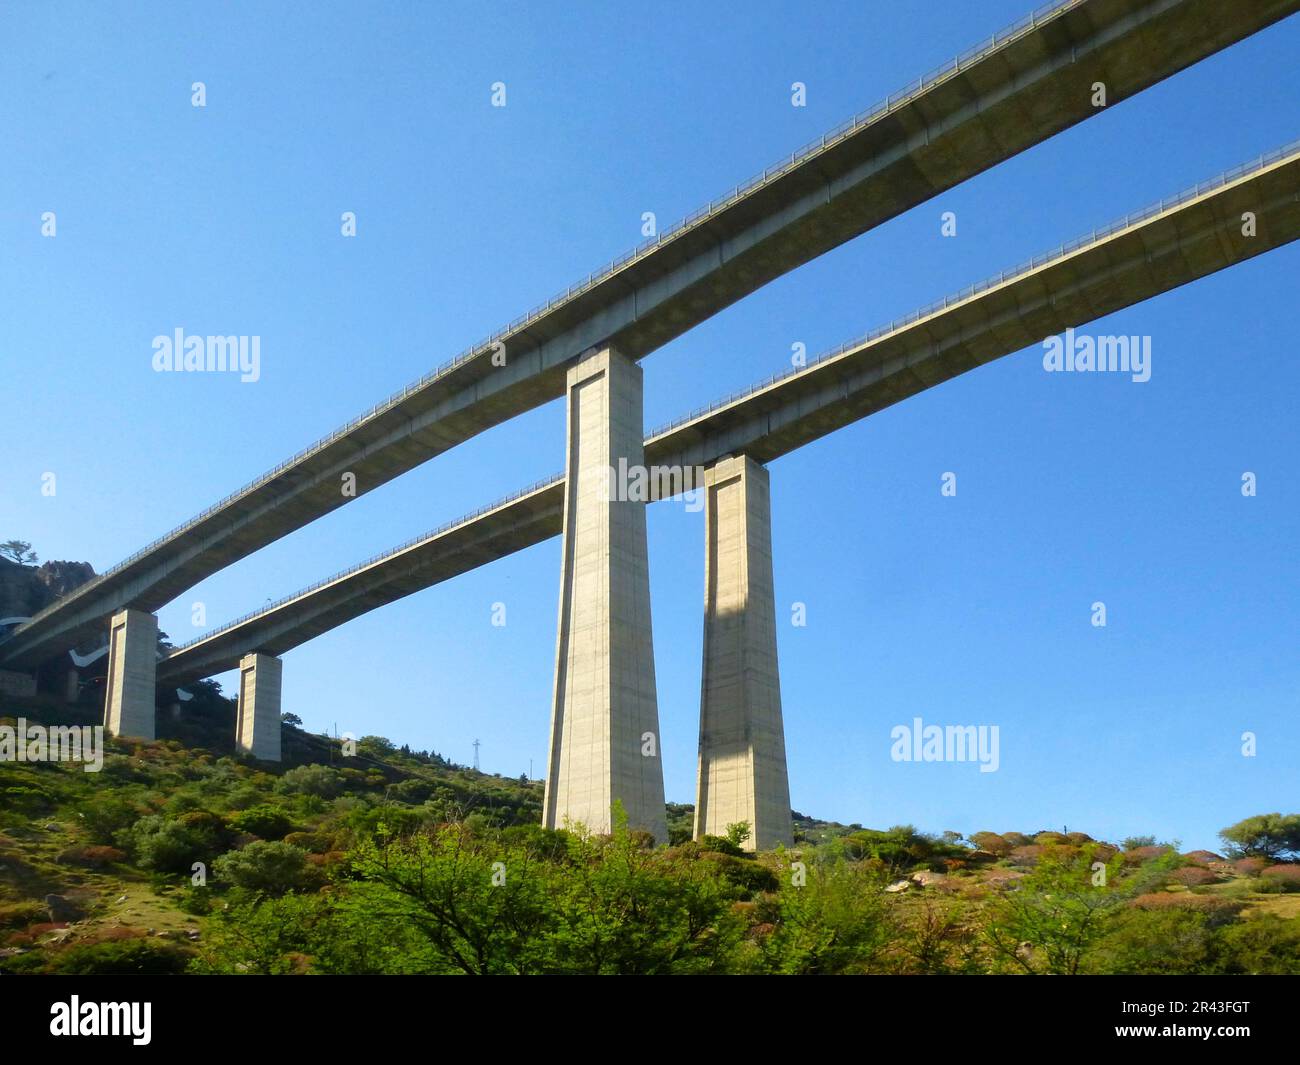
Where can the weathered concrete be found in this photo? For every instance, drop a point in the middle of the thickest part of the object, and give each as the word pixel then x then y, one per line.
pixel 131 683
pixel 257 718
pixel 742 770
pixel 1187 241
pixel 1028 86
pixel 605 745
pixel 71 686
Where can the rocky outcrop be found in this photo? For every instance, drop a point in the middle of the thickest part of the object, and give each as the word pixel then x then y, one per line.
pixel 26 589
pixel 60 578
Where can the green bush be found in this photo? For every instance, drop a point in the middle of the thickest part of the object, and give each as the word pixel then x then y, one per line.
pixel 268 822
pixel 1265 945
pixel 106 817
pixel 311 842
pixel 265 868
pixel 211 829
pixel 319 780
pixel 26 799
pixel 1287 876
pixel 196 900
pixel 131 956
pixel 164 846
pixel 747 874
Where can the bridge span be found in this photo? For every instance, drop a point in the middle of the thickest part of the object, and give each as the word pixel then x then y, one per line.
pixel 1170 244
pixel 604 728
pixel 1021 87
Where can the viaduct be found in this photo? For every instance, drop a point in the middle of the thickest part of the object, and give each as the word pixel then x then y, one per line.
pixel 1022 86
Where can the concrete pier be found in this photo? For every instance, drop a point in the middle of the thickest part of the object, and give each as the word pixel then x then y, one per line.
pixel 605 743
pixel 742 770
pixel 257 718
pixel 132 673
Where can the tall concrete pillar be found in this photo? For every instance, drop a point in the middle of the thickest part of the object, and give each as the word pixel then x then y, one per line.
pixel 605 743
pixel 742 772
pixel 257 717
pixel 132 675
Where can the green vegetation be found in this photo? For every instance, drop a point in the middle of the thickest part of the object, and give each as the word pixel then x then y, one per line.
pixel 179 858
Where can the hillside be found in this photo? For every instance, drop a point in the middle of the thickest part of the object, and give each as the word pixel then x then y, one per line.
pixel 181 857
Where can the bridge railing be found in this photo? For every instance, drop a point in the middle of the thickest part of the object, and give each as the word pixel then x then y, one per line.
pixel 446 526
pixel 1061 251
pixel 844 130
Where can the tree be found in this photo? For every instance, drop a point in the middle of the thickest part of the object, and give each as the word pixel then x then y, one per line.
pixel 1263 836
pixel 19 551
pixel 291 719
pixel 1056 917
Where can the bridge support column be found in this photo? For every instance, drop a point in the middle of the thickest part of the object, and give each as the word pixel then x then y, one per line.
pixel 257 719
pixel 605 743
pixel 742 770
pixel 132 675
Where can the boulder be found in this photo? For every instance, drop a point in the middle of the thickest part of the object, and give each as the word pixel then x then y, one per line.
pixel 62 909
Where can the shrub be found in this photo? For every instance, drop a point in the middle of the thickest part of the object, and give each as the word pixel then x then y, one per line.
pixel 1265 945
pixel 1217 909
pixel 1142 855
pixel 1250 866
pixel 164 846
pixel 744 873
pixel 209 827
pixel 93 856
pixel 1029 854
pixel 1286 875
pixel 268 822
pixel 196 900
pixel 106 817
pixel 1193 876
pixel 991 842
pixel 311 842
pixel 720 845
pixel 131 956
pixel 26 799
pixel 1160 940
pixel 318 780
pixel 266 868
pixel 414 791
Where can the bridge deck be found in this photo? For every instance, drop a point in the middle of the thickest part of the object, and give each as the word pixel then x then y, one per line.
pixel 1023 86
pixel 1157 250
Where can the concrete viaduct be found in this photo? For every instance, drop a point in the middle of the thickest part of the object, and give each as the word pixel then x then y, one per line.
pixel 1020 88
pixel 1024 85
pixel 1142 255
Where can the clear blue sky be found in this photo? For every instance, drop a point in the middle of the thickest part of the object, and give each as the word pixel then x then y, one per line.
pixel 1072 488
